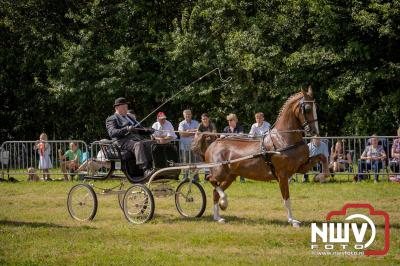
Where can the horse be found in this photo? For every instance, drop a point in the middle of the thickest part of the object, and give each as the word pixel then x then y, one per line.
pixel 279 154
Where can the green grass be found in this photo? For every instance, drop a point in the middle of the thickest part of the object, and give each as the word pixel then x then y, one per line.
pixel 35 228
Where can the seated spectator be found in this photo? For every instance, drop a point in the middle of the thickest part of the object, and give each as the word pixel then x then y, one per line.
pixel 372 158
pixel 340 161
pixel 315 147
pixel 260 127
pixel 394 162
pixel 164 130
pixel 71 159
pixel 233 127
pixel 94 164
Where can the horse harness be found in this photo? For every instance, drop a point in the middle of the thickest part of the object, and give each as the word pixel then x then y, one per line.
pixel 268 156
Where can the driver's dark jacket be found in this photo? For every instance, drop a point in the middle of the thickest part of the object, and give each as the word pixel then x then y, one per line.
pixel 117 128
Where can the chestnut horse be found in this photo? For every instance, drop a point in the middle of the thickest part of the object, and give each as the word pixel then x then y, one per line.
pixel 297 115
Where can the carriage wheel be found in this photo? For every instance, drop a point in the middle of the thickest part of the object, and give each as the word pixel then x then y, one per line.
pixel 138 204
pixel 190 199
pixel 82 202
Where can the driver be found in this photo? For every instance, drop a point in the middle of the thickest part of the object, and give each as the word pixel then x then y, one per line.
pixel 130 135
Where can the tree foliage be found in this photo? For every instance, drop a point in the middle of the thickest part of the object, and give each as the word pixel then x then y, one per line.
pixel 64 62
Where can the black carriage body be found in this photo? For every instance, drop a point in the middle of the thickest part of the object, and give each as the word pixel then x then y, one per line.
pixel 162 156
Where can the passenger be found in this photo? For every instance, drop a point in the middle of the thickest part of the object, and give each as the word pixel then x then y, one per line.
pixel 164 130
pixel 372 158
pixel 260 127
pixel 130 136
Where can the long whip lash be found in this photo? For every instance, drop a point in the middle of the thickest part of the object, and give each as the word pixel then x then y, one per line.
pixel 187 87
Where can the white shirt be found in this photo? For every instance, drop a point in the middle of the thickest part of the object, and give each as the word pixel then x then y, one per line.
pixel 321 149
pixel 168 127
pixel 259 130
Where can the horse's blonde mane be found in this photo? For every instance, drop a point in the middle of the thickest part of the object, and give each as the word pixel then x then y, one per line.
pixel 289 101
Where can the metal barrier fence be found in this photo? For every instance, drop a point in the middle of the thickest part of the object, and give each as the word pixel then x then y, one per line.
pixel 351 164
pixel 17 156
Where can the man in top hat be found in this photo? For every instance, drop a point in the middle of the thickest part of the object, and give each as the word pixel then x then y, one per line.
pixel 164 130
pixel 130 135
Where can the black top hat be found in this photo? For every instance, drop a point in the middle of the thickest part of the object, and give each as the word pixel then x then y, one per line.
pixel 120 101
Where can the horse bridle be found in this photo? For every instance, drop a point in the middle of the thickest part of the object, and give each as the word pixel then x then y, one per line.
pixel 305 108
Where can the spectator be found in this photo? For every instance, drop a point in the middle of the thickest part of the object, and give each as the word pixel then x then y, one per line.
pixel 164 130
pixel 233 127
pixel 94 164
pixel 394 163
pixel 187 129
pixel 43 147
pixel 260 127
pixel 206 125
pixel 71 159
pixel 371 158
pixel 316 147
pixel 340 160
pixel 130 136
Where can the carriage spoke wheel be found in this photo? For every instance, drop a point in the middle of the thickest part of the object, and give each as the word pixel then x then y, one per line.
pixel 190 199
pixel 138 204
pixel 82 202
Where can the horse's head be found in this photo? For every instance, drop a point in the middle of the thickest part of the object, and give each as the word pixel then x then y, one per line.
pixel 306 112
pixel 201 142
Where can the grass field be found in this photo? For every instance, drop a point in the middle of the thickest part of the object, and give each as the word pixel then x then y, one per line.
pixel 35 228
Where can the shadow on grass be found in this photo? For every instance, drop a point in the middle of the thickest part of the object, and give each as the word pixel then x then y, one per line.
pixel 39 225
pixel 230 219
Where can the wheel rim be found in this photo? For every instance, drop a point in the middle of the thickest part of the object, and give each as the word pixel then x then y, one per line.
pixel 138 204
pixel 190 199
pixel 82 203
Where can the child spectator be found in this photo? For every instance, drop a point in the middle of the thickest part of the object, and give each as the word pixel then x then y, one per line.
pixel 44 155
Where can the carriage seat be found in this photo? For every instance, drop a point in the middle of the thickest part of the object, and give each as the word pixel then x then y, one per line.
pixel 113 152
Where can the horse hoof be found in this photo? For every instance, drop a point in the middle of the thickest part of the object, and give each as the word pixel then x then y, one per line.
pixel 295 223
pixel 221 221
pixel 223 203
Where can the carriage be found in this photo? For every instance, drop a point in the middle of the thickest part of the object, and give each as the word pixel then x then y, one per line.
pixel 135 192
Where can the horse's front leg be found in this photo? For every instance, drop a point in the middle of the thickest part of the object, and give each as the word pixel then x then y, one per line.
pixel 311 162
pixel 220 198
pixel 284 186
